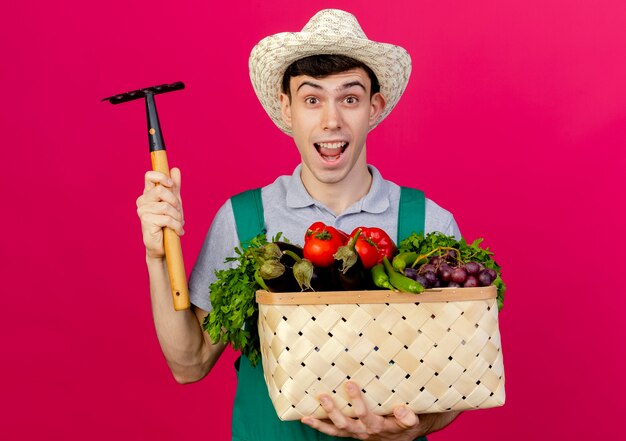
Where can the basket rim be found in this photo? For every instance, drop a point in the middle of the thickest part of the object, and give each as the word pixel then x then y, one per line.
pixel 264 297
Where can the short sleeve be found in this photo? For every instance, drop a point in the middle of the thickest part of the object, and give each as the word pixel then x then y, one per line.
pixel 219 243
pixel 440 219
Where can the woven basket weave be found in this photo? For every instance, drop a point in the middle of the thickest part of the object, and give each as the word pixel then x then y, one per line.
pixel 435 352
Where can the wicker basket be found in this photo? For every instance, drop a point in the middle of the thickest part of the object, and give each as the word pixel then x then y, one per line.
pixel 435 352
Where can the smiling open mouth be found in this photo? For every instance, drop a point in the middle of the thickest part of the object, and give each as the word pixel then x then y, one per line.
pixel 330 151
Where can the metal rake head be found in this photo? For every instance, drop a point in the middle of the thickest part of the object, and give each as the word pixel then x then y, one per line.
pixel 142 93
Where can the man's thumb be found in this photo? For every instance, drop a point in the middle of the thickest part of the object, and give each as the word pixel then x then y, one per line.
pixel 176 178
pixel 405 417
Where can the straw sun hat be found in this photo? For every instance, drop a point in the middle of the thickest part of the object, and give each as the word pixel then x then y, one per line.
pixel 330 31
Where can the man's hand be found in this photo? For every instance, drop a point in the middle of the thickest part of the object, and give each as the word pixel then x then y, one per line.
pixel 160 206
pixel 189 352
pixel 402 425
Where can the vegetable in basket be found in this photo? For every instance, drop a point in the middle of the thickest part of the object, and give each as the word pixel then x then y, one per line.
pixel 277 270
pixel 424 261
pixel 234 315
pixel 372 245
pixel 262 265
pixel 349 271
pixel 400 281
pixel 437 261
pixel 311 277
pixel 380 277
pixel 321 242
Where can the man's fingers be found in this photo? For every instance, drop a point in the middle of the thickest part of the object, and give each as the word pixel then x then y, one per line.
pixel 160 187
pixel 366 424
pixel 176 177
pixel 356 399
pixel 158 207
pixel 373 423
pixel 334 414
pixel 405 417
pixel 321 425
pixel 163 221
pixel 152 178
pixel 337 423
pixel 163 208
pixel 157 194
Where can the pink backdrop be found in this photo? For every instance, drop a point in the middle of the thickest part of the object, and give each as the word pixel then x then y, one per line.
pixel 514 119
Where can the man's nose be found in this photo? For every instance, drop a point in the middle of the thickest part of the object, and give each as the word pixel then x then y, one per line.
pixel 331 117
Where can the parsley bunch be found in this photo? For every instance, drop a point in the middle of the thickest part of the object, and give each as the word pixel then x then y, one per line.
pixel 436 243
pixel 234 316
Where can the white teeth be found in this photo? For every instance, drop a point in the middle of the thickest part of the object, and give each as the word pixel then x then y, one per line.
pixel 331 145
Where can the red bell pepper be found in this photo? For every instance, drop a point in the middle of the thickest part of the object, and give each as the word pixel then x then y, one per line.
pixel 372 245
pixel 321 243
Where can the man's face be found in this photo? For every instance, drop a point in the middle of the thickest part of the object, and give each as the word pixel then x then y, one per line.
pixel 330 118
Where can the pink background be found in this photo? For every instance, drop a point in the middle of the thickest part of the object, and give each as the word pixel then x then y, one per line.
pixel 514 119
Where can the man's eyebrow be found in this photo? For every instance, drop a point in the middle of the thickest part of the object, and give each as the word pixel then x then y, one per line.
pixel 352 84
pixel 308 83
pixel 341 87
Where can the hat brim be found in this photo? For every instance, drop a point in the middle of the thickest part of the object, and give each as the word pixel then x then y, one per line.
pixel 272 55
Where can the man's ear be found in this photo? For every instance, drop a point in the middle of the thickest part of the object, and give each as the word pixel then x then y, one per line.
pixel 285 109
pixel 377 105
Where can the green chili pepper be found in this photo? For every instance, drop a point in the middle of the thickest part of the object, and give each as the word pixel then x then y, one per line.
pixel 400 281
pixel 402 260
pixel 379 276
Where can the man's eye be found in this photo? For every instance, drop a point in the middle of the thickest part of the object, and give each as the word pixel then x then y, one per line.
pixel 351 100
pixel 310 100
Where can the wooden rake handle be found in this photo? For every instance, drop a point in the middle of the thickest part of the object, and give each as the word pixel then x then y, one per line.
pixel 173 250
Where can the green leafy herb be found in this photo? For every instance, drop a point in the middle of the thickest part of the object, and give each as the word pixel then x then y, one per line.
pixel 235 313
pixel 234 316
pixel 437 243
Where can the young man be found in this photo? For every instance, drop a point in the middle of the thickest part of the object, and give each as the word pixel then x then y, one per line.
pixel 327 87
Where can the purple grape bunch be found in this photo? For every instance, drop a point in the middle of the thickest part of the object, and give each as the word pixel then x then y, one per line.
pixel 446 271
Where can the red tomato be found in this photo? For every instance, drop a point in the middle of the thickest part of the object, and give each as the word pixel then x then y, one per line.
pixel 321 226
pixel 317 226
pixel 321 245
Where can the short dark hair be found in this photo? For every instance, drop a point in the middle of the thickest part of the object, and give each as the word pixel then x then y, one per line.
pixel 320 66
